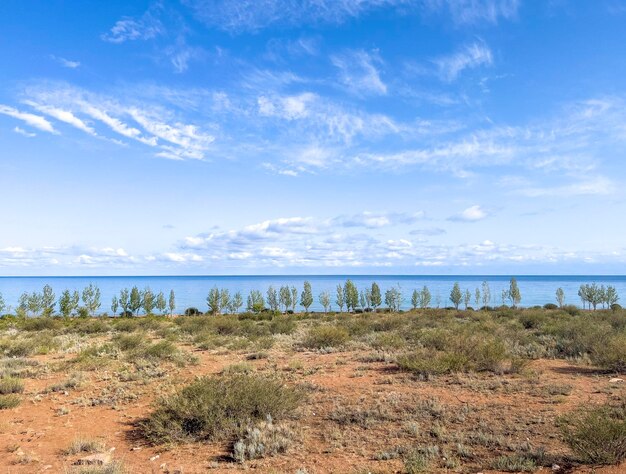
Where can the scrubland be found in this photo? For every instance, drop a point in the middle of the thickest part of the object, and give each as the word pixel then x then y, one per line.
pixel 433 390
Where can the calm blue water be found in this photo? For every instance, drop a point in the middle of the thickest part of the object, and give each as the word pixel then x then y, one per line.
pixel 192 290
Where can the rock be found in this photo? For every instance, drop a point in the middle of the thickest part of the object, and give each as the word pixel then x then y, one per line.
pixel 616 380
pixel 98 459
pixel 556 467
pixel 154 458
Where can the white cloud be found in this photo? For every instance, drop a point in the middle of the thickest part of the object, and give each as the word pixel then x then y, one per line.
pixel 21 131
pixel 475 11
pixel 62 116
pixel 146 27
pixel 471 214
pixel 36 121
pixel 470 57
pixel 66 62
pixel 358 72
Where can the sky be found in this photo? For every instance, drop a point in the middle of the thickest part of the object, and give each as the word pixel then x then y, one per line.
pixel 312 137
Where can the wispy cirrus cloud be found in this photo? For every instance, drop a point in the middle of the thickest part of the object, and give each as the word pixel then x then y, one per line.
pixel 21 131
pixel 36 121
pixel 475 11
pixel 359 73
pixel 65 62
pixel 145 27
pixel 469 57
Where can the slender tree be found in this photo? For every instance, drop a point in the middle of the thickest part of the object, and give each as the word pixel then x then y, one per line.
pixel 351 295
pixel 376 296
pixel 294 298
pixel 477 298
pixel 611 296
pixel 256 303
pixel 213 300
pixel 2 305
pixel 393 298
pixel 467 298
pixel 224 300
pixel 171 303
pixel 66 306
pixel 91 298
pixel 135 302
pixel 340 301
pixel 115 304
pixel 35 302
pixel 236 302
pixel 306 299
pixel 149 301
pixel 456 296
pixel 161 303
pixel 324 299
pixel 514 294
pixel 48 300
pixel 560 297
pixel 124 301
pixel 284 297
pixel 426 297
pixel 272 298
pixel 416 299
pixel 368 299
pixel 486 293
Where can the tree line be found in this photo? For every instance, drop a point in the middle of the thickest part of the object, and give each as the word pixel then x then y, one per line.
pixel 285 299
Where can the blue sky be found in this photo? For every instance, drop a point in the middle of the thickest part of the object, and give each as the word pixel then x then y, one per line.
pixel 312 136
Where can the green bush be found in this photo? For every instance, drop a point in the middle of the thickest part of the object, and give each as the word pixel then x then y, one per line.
pixel 610 354
pixel 11 385
pixel 322 337
pixel 550 306
pixel 9 401
pixel 218 407
pixel 597 434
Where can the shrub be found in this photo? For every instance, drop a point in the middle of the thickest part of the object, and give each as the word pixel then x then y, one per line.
pixel 192 312
pixel 9 401
pixel 263 439
pixel 83 445
pixel 571 309
pixel 550 306
pixel 610 354
pixel 322 337
pixel 214 407
pixel 616 307
pixel 596 434
pixel 11 385
pixel 428 363
pixel 514 463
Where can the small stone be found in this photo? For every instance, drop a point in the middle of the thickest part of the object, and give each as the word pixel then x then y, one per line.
pixel 556 467
pixel 154 458
pixel 616 380
pixel 136 448
pixel 98 459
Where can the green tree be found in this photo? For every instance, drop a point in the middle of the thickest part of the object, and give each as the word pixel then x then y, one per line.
pixel 351 295
pixel 393 298
pixel 213 300
pixel 135 302
pixel 35 302
pixel 272 299
pixel 115 304
pixel 149 301
pixel 486 293
pixel 124 301
pixel 467 298
pixel 477 298
pixel 560 297
pixel 416 299
pixel 324 299
pixel 2 305
pixel 294 298
pixel 67 304
pixel 91 298
pixel 341 299
pixel 377 298
pixel 368 298
pixel 306 298
pixel 456 296
pixel 611 296
pixel 22 304
pixel 224 300
pixel 161 303
pixel 236 302
pixel 284 296
pixel 256 303
pixel 48 300
pixel 171 304
pixel 514 294
pixel 426 297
